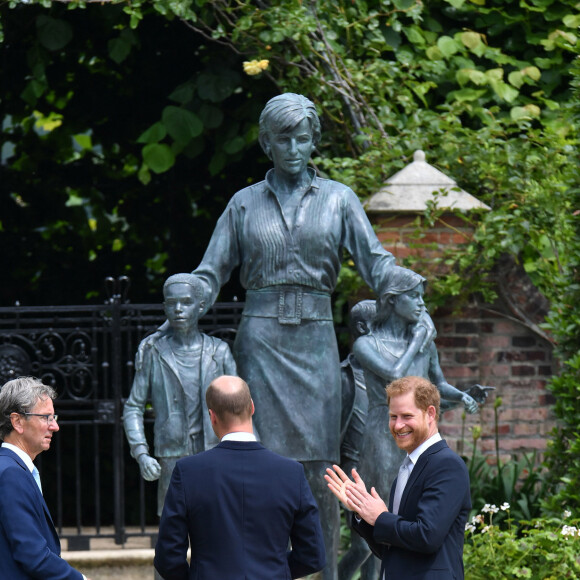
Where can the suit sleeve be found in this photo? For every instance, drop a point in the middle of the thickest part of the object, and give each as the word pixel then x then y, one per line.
pixel 173 541
pixel 23 521
pixel 366 531
pixel 439 498
pixel 308 554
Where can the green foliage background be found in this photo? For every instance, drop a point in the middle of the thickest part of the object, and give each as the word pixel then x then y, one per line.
pixel 127 127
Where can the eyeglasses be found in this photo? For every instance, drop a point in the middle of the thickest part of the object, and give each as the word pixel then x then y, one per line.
pixel 47 418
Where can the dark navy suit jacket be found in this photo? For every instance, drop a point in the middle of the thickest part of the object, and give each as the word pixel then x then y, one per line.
pixel 29 544
pixel 239 505
pixel 425 540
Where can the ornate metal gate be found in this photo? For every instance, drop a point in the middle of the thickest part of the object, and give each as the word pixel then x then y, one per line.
pixel 87 354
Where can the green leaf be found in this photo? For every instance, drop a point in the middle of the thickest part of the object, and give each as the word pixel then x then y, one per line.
pixel 84 141
pixel 74 200
pixel 466 95
pixel 234 146
pixel 525 113
pixel 471 39
pixel 217 87
pixel 53 34
pixel 154 134
pixel 119 48
pixel 504 91
pixel 144 174
pixel 217 163
pixel 434 53
pixel 469 74
pixel 158 157
pixel 211 116
pixel 533 72
pixel 516 79
pixel 183 94
pixel 181 124
pixel 447 46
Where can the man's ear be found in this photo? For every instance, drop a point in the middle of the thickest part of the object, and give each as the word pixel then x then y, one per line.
pixel 212 417
pixel 431 412
pixel 17 422
pixel 202 306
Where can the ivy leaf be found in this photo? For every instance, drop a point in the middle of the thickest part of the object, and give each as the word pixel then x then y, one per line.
pixel 181 124
pixel 53 34
pixel 159 157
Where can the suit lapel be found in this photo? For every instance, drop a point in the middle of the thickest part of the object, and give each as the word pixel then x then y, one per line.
pixel 16 458
pixel 417 470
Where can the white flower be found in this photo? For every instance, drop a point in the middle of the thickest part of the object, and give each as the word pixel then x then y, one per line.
pixel 470 527
pixel 505 506
pixel 486 529
pixel 487 508
pixel 567 514
pixel 570 531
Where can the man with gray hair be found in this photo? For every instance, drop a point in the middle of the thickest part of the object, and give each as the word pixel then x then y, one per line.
pixel 29 543
pixel 173 371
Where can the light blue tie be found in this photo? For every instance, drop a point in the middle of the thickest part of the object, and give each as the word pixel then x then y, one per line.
pixel 36 476
pixel 402 479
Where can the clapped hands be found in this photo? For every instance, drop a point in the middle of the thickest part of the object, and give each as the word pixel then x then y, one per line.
pixel 353 494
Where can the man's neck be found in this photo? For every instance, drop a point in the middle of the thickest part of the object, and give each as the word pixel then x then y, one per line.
pixel 239 436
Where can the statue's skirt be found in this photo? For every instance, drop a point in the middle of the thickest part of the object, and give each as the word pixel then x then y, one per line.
pixel 293 371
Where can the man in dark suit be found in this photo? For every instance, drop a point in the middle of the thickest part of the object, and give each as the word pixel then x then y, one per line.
pixel 29 544
pixel 238 505
pixel 420 535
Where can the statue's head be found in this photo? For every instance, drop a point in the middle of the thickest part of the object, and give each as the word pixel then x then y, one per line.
pixel 185 278
pixel 184 299
pixel 397 281
pixel 361 316
pixel 283 113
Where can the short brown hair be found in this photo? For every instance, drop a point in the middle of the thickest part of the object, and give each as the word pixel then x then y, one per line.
pixel 426 393
pixel 235 403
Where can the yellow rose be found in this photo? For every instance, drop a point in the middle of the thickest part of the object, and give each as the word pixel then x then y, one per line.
pixel 255 67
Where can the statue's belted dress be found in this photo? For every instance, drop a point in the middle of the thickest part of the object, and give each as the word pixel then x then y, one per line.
pixel 286 346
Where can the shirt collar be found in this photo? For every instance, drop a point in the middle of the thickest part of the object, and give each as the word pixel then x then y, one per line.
pixel 416 453
pixel 239 436
pixel 22 454
pixel 314 184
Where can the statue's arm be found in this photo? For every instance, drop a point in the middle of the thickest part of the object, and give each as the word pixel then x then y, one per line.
pixel 447 391
pixel 365 351
pixel 222 254
pixel 229 364
pixel 361 241
pixel 134 408
pixel 133 418
pixel 388 368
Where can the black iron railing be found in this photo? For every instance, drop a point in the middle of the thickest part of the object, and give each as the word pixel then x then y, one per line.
pixel 91 483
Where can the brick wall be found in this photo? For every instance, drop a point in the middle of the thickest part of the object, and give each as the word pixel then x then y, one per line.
pixel 485 344
pixel 481 346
